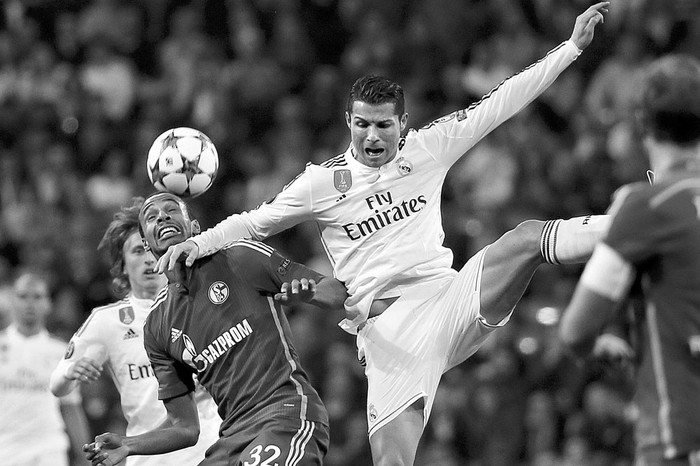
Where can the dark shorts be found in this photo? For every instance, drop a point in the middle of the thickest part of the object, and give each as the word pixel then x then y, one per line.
pixel 282 441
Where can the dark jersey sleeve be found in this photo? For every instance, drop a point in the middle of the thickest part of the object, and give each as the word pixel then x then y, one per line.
pixel 266 269
pixel 637 231
pixel 174 377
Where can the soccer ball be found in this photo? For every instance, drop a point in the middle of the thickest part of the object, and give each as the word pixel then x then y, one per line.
pixel 182 161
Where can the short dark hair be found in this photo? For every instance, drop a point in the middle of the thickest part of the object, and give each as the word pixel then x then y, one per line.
pixel 376 90
pixel 668 107
pixel 124 223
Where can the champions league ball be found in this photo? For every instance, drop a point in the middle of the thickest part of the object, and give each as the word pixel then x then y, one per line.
pixel 182 161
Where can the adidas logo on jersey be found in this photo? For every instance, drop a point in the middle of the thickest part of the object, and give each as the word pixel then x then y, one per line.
pixel 175 334
pixel 130 334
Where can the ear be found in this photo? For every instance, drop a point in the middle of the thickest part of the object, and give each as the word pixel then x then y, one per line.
pixel 145 245
pixel 403 121
pixel 196 229
pixel 347 119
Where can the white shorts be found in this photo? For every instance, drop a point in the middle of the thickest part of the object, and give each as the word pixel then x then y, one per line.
pixel 429 329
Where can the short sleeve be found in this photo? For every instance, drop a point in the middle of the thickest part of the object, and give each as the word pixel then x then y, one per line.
pixel 267 269
pixel 174 377
pixel 88 341
pixel 635 229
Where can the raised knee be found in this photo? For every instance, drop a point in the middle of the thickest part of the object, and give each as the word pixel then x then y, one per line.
pixel 526 236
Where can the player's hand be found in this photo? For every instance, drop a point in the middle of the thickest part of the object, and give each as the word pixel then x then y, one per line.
pixel 586 23
pixel 84 370
pixel 107 450
pixel 187 251
pixel 297 291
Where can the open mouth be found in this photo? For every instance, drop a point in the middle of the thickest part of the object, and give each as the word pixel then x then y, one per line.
pixel 374 152
pixel 168 232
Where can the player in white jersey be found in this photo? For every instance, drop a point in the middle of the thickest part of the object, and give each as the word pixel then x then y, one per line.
pixel 35 423
pixel 377 207
pixel 112 336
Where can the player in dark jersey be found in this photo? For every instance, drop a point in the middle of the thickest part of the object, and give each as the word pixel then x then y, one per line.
pixel 654 237
pixel 223 320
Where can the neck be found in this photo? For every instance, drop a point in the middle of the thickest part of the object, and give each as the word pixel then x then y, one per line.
pixel 29 330
pixel 666 158
pixel 144 293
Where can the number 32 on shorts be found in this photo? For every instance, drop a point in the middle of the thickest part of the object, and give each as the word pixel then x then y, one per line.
pixel 266 454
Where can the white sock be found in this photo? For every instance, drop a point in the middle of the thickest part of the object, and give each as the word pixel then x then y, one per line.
pixel 571 241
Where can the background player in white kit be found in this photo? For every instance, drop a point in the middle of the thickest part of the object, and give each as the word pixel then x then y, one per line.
pixel 30 413
pixel 113 335
pixel 378 211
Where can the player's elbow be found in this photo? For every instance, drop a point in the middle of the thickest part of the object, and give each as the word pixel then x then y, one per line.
pixel 58 386
pixel 191 435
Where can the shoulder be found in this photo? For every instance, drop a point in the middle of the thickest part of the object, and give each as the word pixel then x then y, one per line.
pixel 245 248
pixel 335 162
pixel 110 309
pixel 106 315
pixel 631 194
pixel 56 341
pixel 157 313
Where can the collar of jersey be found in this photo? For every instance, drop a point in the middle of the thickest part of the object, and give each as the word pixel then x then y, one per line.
pixel 361 167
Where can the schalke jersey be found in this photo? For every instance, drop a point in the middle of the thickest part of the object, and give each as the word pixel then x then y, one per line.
pixel 656 228
pixel 113 335
pixel 223 325
pixel 382 227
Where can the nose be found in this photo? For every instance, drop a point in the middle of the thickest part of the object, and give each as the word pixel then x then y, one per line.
pixel 163 215
pixel 372 133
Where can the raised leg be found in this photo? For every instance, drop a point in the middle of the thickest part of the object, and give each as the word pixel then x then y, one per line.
pixel 396 443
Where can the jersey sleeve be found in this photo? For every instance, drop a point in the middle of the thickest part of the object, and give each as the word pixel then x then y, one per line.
pixel 291 206
pixel 449 137
pixel 174 378
pixel 89 340
pixel 636 231
pixel 267 269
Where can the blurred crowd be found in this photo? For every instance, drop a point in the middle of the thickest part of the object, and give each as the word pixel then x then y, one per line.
pixel 86 85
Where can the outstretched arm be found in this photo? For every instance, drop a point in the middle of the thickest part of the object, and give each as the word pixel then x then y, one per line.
pixel 454 135
pixel 179 430
pixel 586 22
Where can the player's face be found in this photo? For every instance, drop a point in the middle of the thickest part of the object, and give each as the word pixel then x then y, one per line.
pixel 375 132
pixel 165 222
pixel 33 303
pixel 138 266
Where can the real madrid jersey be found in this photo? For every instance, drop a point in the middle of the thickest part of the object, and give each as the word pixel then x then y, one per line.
pixel 223 324
pixel 656 228
pixel 113 335
pixel 382 227
pixel 30 413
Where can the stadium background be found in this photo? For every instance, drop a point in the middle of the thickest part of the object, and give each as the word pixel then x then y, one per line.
pixel 85 86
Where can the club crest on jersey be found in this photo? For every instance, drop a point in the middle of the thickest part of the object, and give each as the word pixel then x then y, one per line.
pixel 372 413
pixel 282 269
pixel 403 166
pixel 218 292
pixel 342 180
pixel 126 315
